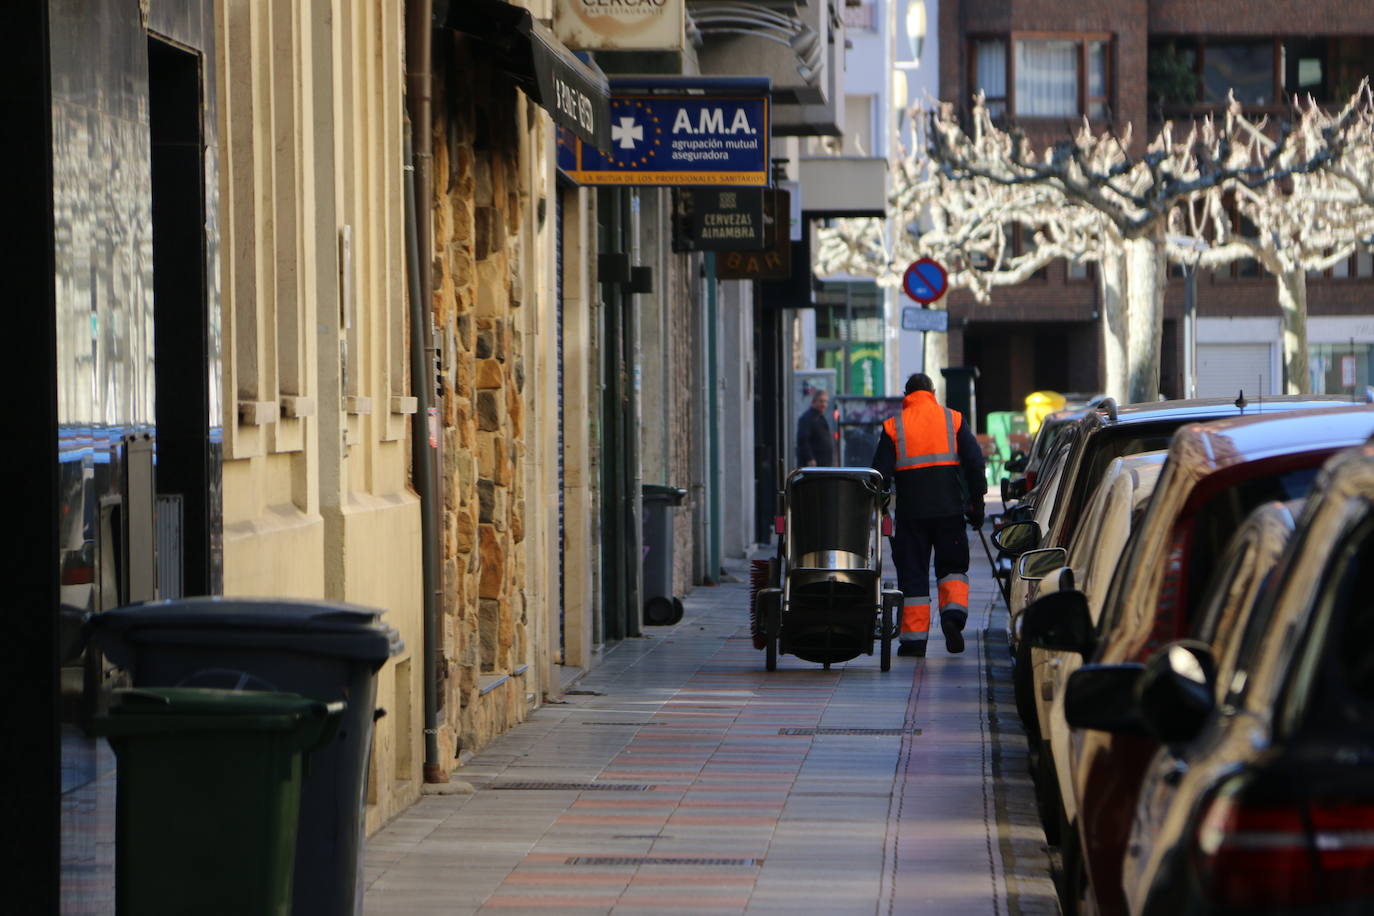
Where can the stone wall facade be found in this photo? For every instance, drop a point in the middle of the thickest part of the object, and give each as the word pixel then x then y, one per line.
pixel 480 124
pixel 688 389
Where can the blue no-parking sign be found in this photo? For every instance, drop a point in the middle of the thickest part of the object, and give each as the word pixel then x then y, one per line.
pixel 925 281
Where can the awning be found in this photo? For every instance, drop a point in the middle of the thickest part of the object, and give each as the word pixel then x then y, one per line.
pixel 575 93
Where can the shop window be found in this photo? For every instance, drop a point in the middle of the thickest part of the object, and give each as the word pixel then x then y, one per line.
pixel 1339 368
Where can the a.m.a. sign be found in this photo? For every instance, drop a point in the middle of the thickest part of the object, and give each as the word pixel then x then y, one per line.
pixel 677 140
pixel 715 219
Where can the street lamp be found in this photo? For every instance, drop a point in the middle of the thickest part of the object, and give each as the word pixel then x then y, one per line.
pixel 915 27
pixel 1197 246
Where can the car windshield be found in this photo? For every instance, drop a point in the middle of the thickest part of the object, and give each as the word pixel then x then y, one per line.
pixel 1222 515
pixel 1100 540
pixel 1045 441
pixel 1236 595
pixel 1101 449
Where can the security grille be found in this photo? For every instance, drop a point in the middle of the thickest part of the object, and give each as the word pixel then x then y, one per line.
pixel 170 538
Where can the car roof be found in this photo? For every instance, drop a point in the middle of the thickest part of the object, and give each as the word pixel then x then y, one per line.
pixel 1223 443
pixel 1200 408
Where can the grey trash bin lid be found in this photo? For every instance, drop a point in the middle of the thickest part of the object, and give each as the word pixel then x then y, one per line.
pixel 659 492
pixel 332 629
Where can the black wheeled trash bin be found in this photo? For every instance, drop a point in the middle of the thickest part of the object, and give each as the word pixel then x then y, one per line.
pixel 324 650
pixel 661 606
pixel 208 796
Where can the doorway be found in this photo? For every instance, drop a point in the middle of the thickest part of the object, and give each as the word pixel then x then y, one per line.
pixel 187 478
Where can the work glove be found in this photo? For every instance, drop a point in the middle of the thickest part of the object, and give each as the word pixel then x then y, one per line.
pixel 974 514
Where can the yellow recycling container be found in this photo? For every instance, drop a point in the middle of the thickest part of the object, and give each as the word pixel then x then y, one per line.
pixel 1039 405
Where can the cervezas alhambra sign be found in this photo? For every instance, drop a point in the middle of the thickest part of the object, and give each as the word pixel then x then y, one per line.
pixel 620 25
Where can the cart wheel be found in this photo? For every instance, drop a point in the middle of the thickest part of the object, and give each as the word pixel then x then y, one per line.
pixel 770 654
pixel 885 655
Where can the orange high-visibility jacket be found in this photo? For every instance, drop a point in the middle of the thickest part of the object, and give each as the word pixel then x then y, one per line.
pixel 925 434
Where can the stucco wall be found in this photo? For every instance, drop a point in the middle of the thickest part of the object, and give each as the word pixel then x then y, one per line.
pixel 317 500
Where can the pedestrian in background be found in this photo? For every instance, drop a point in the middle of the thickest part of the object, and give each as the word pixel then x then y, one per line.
pixel 815 442
pixel 935 459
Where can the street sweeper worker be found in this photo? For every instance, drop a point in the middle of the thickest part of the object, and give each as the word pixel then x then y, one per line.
pixel 937 464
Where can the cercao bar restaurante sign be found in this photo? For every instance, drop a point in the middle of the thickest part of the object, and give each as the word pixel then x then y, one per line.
pixel 620 25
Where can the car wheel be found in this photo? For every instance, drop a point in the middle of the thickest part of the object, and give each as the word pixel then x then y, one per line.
pixel 1047 795
pixel 1025 699
pixel 1075 894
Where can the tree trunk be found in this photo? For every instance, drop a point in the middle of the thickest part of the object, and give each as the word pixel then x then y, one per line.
pixel 936 358
pixel 1292 288
pixel 1145 274
pixel 1111 284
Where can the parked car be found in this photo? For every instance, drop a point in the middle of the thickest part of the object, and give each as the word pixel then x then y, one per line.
pixel 1095 440
pixel 1180 777
pixel 1216 473
pixel 1262 797
pixel 1087 564
pixel 1030 466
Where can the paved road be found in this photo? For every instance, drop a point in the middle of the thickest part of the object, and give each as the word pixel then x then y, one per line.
pixel 679 776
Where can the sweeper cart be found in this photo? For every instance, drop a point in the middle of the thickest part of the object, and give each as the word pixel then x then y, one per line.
pixel 821 598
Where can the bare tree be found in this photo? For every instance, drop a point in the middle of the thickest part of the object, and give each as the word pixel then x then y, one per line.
pixel 1305 224
pixel 1134 197
pixel 964 223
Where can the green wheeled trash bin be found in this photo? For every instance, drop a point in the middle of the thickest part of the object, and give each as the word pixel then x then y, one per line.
pixel 326 650
pixel 208 796
pixel 661 606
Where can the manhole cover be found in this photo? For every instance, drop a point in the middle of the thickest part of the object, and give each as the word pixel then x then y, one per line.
pixel 575 786
pixel 870 732
pixel 660 860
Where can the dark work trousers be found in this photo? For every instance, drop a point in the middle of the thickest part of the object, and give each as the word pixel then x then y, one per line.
pixel 912 542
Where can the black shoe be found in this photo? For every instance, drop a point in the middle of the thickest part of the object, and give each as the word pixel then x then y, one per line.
pixel 912 649
pixel 954 635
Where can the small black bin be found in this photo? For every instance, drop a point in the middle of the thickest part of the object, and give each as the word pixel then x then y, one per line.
pixel 323 650
pixel 661 606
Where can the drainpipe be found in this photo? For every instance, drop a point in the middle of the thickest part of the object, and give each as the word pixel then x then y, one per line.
pixel 425 426
pixel 713 432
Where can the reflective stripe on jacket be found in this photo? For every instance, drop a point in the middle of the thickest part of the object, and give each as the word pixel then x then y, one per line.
pixel 924 433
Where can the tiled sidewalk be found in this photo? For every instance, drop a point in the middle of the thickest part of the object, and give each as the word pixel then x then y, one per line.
pixel 679 776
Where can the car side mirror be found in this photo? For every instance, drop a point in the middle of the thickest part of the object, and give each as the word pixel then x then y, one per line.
pixel 1059 622
pixel 1016 463
pixel 1177 692
pixel 1034 565
pixel 1103 697
pixel 1017 537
